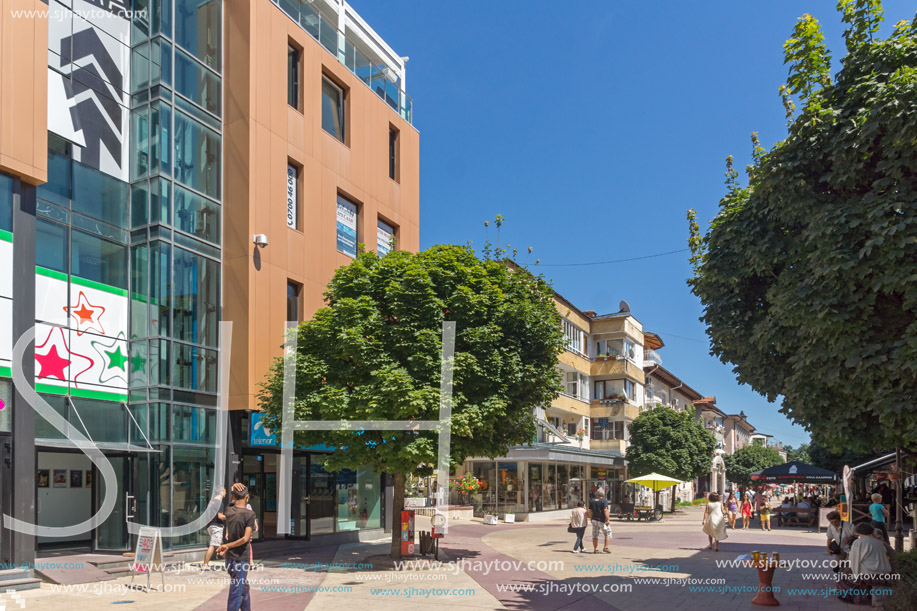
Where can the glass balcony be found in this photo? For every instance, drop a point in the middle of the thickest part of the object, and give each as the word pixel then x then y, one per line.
pixel 379 78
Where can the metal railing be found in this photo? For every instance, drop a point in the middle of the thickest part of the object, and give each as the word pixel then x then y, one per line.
pixel 375 77
pixel 651 356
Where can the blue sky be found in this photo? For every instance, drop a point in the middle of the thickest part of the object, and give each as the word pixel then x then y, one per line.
pixel 592 127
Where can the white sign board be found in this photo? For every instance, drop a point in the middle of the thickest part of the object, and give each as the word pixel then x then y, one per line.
pixel 148 554
pixel 292 195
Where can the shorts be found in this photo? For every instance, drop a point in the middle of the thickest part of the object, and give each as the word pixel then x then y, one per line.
pixel 216 535
pixel 598 529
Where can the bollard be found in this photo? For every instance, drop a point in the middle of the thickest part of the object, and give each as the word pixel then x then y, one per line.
pixel 766 568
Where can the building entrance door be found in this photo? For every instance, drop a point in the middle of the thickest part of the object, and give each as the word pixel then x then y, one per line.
pixel 112 534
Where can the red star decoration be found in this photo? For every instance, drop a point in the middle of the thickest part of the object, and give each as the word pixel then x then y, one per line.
pixel 52 364
pixel 84 313
pixel 88 316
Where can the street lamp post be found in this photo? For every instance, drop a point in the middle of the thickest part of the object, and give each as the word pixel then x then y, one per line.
pixel 899 500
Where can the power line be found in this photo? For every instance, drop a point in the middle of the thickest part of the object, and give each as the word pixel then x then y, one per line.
pixel 690 339
pixel 661 254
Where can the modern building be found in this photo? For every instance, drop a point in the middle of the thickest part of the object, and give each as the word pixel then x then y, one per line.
pixel 165 166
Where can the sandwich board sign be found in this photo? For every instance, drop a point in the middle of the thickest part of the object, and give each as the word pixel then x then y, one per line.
pixel 148 555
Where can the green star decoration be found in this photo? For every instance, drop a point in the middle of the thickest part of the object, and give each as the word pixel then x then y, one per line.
pixel 116 359
pixel 137 363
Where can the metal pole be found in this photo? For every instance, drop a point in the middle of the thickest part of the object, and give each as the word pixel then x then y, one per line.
pixel 899 501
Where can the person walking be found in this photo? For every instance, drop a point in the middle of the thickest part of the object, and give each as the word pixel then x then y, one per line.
pixel 746 513
pixel 764 511
pixel 879 515
pixel 240 523
pixel 714 522
pixel 598 513
pixel 732 507
pixel 579 519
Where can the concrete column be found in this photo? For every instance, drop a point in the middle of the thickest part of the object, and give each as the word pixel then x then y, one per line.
pixel 23 439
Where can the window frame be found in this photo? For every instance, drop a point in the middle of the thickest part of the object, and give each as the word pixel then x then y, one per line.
pixel 341 108
pixel 294 75
pixel 394 153
pixel 298 168
pixel 299 300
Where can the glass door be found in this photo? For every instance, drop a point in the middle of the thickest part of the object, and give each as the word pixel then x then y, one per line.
pixel 321 498
pixel 112 534
pixel 253 478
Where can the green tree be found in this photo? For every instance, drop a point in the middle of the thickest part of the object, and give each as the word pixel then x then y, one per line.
pixel 669 442
pixel 800 454
pixel 374 353
pixel 747 460
pixel 835 461
pixel 807 275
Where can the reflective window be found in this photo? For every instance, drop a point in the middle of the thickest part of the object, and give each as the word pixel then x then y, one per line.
pixel 192 480
pixel 358 500
pixel 96 259
pixel 193 424
pixel 140 275
pixel 104 421
pixel 57 189
pixel 197 156
pixel 53 240
pixel 293 72
pixel 332 109
pixel 43 429
pixel 6 203
pixel 140 142
pixel 197 215
pixel 160 128
pixel 160 201
pixel 195 368
pixel 196 298
pixel 196 83
pixel 160 62
pixel 197 29
pixel 160 288
pixel 294 297
pixel 100 196
pixel 159 422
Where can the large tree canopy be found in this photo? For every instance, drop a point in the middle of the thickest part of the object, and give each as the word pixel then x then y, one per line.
pixel 669 442
pixel 808 275
pixel 748 459
pixel 374 353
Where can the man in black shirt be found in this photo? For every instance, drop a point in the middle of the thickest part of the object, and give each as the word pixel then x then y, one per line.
pixel 240 522
pixel 598 510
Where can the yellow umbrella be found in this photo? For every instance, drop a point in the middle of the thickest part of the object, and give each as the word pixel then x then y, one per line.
pixel 655 481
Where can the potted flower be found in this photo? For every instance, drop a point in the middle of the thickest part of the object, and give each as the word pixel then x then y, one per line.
pixel 581 434
pixel 467 485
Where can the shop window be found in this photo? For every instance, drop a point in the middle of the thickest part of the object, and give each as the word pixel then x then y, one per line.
pixel 358 500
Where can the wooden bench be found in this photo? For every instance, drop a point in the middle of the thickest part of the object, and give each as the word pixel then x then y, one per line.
pixel 802 517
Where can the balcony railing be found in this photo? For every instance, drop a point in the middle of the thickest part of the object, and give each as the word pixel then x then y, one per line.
pixel 650 356
pixel 375 77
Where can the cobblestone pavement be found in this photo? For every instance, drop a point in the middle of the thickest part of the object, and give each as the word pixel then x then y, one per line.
pixel 490 567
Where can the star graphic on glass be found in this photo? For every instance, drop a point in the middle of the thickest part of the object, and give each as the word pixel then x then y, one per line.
pixel 114 359
pixel 52 364
pixel 88 316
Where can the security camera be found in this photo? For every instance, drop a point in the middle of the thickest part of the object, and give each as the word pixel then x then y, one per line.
pixel 260 240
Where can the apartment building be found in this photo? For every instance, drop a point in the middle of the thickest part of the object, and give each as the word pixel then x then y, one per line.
pixel 737 432
pixel 582 436
pixel 165 166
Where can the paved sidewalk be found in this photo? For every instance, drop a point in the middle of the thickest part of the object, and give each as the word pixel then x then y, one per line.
pixel 507 566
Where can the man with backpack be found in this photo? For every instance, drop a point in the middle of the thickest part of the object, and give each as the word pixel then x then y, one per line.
pixel 598 513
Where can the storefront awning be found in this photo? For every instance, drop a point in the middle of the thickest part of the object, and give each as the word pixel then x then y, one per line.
pixel 553 452
pixel 104 446
pixel 877 462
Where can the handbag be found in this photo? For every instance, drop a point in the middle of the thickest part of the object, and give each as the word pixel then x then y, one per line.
pixel 570 528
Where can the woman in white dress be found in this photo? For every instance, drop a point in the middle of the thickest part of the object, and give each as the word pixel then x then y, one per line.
pixel 714 522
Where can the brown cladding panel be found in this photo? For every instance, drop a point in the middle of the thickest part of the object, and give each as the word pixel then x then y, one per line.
pixel 24 90
pixel 261 133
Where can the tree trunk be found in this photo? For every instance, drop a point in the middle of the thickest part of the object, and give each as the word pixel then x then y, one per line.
pixel 397 507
